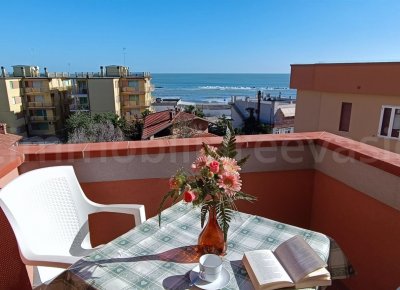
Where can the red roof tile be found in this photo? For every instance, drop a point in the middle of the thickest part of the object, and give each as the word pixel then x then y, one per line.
pixel 8 140
pixel 159 121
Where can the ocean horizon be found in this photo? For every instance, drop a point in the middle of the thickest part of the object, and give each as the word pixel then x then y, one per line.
pixel 220 87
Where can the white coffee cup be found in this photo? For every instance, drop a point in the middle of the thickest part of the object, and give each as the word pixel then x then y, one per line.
pixel 210 267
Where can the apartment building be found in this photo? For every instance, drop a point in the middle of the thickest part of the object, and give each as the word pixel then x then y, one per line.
pixel 33 103
pixel 113 89
pixel 360 101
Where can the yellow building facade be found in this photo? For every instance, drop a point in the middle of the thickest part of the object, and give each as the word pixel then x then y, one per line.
pixel 34 104
pixel 114 89
pixel 37 104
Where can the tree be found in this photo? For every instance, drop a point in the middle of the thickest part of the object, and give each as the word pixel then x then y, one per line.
pixel 183 129
pixel 77 121
pixel 194 110
pixel 219 128
pixel 146 113
pixel 102 127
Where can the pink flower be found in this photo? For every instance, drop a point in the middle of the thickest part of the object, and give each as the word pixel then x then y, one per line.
pixel 230 165
pixel 201 162
pixel 189 196
pixel 214 166
pixel 230 182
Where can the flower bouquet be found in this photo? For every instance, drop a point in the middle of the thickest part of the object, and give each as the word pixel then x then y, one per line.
pixel 214 184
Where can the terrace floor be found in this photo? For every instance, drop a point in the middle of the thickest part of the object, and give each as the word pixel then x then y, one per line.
pixel 345 189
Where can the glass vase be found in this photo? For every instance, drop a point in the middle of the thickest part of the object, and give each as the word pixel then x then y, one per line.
pixel 211 239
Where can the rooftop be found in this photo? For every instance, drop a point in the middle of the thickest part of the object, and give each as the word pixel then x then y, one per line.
pixel 156 122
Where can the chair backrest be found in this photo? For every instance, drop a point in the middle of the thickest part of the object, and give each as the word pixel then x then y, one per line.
pixel 46 208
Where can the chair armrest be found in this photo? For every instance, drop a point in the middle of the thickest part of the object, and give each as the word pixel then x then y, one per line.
pixel 49 260
pixel 137 210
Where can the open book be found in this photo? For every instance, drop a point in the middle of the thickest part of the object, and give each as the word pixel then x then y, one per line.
pixel 293 264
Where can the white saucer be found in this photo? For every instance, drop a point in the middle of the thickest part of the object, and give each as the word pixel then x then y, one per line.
pixel 221 282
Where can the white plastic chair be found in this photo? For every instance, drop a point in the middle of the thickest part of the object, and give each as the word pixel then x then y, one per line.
pixel 48 213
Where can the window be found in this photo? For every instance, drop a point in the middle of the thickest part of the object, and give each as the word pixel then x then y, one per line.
pixel 14 85
pixel 134 99
pixel 133 84
pixel 345 116
pixel 389 125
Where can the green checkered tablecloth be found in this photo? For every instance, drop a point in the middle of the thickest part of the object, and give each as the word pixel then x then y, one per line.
pixel 150 257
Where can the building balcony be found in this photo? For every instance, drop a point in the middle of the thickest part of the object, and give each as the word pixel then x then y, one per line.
pixel 32 105
pixel 79 107
pixel 133 91
pixel 342 188
pixel 128 104
pixel 39 119
pixel 36 91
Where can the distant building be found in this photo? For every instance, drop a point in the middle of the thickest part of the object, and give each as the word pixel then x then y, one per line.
pixel 276 112
pixel 284 120
pixel 114 89
pixel 163 123
pixel 360 101
pixel 37 104
pixel 33 103
pixel 164 104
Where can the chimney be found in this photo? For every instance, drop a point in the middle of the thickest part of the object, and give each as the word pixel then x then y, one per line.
pixel 45 72
pixel 3 72
pixel 171 115
pixel 259 96
pixel 101 71
pixel 3 128
pixel 23 72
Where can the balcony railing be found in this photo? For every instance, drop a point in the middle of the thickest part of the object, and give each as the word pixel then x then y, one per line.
pixel 313 180
pixel 41 105
pixel 131 104
pixel 32 91
pixel 43 118
pixel 132 90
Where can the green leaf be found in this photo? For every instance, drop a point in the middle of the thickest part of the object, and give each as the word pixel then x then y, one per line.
pixel 228 144
pixel 210 152
pixel 243 160
pixel 224 214
pixel 240 195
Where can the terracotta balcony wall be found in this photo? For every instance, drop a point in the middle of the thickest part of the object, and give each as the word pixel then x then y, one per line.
pixel 331 184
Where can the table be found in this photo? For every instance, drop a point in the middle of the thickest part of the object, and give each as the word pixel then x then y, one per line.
pixel 150 257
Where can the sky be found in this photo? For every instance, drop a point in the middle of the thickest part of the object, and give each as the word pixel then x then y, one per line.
pixel 183 36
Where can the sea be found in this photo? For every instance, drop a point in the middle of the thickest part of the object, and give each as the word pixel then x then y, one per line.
pixel 219 87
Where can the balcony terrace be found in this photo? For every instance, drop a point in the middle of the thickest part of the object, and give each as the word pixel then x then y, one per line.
pixel 35 91
pixel 343 188
pixel 32 105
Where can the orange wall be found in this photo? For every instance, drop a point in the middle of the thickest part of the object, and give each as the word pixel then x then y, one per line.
pixel 282 195
pixel 368 231
pixel 354 78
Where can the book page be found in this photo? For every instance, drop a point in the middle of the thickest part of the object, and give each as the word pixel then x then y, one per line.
pixel 298 258
pixel 266 267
